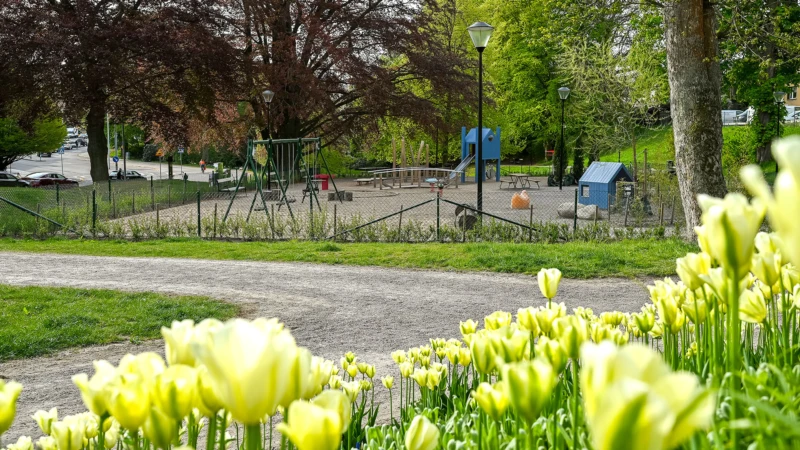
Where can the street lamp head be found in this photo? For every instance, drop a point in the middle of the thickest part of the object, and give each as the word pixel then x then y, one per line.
pixel 480 32
pixel 563 92
pixel 268 96
pixel 779 96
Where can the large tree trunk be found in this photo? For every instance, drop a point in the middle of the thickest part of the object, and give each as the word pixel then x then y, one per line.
pixel 695 83
pixel 98 151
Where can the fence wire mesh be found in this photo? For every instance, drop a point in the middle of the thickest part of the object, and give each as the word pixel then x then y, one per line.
pixel 414 207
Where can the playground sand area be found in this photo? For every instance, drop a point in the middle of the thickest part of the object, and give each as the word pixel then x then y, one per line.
pixel 330 309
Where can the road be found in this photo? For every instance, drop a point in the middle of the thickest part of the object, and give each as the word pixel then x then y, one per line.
pixel 76 165
pixel 330 309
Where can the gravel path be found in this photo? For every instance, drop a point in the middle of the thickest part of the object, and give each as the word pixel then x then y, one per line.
pixel 330 309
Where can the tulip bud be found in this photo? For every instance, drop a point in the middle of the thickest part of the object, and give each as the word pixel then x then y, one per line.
pixel 111 437
pixel 767 267
pixel 68 435
pixel 312 427
pixel 365 385
pixel 497 319
pixel 544 320
pixel 464 357
pixel 493 399
pixel 362 367
pixel 612 318
pixel 548 282
pixel 9 393
pixel 420 376
pixel 399 356
pixel 350 357
pixel 335 382
pixel 434 377
pixel 160 428
pixel 732 225
pixel 177 342
pixel 370 371
pixel 94 391
pixel 337 402
pixel 23 443
pixel 45 419
pixel 352 389
pixel 530 384
pixel 526 319
pixel 47 443
pixel 406 369
pixel 552 351
pixel 207 400
pixel 644 320
pixel 483 354
pixel 752 307
pixel 691 266
pixel 790 277
pixel 421 435
pixel 129 401
pixel 174 391
pixel 468 327
pixel 388 381
pixel 352 370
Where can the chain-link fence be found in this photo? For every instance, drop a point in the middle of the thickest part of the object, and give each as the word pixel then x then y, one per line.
pixel 413 205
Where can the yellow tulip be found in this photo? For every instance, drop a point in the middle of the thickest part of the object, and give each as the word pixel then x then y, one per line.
pixel 406 369
pixel 696 310
pixel 544 320
pixel 493 399
pixel 68 434
pixel 613 318
pixel 483 354
pixel 254 367
pixel 177 342
pixel 420 376
pixel 497 319
pixel 526 319
pixel 47 443
pixel 692 405
pixel 175 390
pixel 129 401
pixel 370 371
pixel 434 377
pixel 111 436
pixel 350 357
pixel 94 391
pixel 366 385
pixel 388 381
pixel 572 332
pixel 552 351
pixel 584 313
pixel 783 204
pixel 362 367
pixel 465 357
pixel 147 365
pixel 335 382
pixel 767 267
pixel 399 356
pixel 509 344
pixel 207 400
pixel 352 370
pixel 732 224
pixel 338 402
pixel 160 428
pixel 790 277
pixel 352 389
pixel 45 419
pixel 421 434
pixel 468 327
pixel 530 384
pixel 9 393
pixel 752 307
pixel 312 427
pixel 645 320
pixel 691 266
pixel 23 443
pixel 548 282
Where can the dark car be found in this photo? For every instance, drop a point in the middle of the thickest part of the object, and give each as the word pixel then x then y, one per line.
pixel 129 175
pixel 8 179
pixel 47 154
pixel 41 179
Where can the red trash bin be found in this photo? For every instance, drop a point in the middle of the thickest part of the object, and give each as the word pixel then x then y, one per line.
pixel 324 178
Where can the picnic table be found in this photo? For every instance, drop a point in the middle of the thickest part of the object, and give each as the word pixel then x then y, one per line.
pixel 519 180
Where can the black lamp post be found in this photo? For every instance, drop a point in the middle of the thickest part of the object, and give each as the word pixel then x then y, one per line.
pixel 779 100
pixel 480 32
pixel 268 95
pixel 563 94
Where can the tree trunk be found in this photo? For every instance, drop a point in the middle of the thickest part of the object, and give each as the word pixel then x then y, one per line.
pixel 98 152
pixel 764 150
pixel 695 86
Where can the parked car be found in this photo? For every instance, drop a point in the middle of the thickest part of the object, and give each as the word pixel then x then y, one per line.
pixel 47 154
pixel 41 179
pixel 81 142
pixel 8 179
pixel 129 175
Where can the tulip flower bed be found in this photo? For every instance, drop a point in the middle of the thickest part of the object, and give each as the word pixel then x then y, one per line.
pixel 711 362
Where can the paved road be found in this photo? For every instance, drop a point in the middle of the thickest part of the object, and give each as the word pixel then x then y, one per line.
pixel 330 309
pixel 76 165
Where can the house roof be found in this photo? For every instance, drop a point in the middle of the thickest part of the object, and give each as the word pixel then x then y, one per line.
pixel 471 135
pixel 605 172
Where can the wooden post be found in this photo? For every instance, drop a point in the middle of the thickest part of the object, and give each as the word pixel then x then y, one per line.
pixel 609 208
pixel 394 163
pixel 214 234
pixel 672 213
pixel 530 226
pixel 627 205
pixel 645 173
pixel 400 223
pixel 427 160
pixel 402 159
pixel 158 222
pixel 334 221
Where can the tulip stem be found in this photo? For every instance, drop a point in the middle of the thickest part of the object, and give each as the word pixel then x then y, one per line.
pixel 575 416
pixel 252 437
pixel 212 432
pixel 221 440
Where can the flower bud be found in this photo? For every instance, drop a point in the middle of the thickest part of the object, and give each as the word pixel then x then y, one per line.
pixel 421 434
pixel 388 381
pixel 160 428
pixel 497 319
pixel 9 393
pixel 493 399
pixel 548 282
pixel 45 419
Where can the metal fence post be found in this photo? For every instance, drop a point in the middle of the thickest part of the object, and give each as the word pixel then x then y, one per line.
pixel 438 221
pixel 672 212
pixel 530 226
pixel 109 189
pixel 199 231
pixel 575 216
pixel 94 212
pixel 169 193
pixel 334 222
pixel 609 208
pixel 58 194
pixel 627 206
pixel 152 194
pixel 133 202
pixel 214 235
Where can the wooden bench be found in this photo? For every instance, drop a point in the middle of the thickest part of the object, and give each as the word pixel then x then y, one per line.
pixel 362 181
pixel 529 181
pixel 231 182
pixel 508 182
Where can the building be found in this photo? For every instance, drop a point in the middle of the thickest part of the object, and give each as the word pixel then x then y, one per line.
pixel 598 185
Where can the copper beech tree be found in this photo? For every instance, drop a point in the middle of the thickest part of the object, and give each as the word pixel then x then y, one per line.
pixel 142 60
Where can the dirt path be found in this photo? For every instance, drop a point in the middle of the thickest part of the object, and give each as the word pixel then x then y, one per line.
pixel 330 309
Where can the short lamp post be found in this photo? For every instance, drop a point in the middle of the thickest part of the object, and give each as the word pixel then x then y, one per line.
pixel 480 32
pixel 779 95
pixel 563 94
pixel 268 95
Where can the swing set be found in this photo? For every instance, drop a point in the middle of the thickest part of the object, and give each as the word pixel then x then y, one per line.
pixel 286 162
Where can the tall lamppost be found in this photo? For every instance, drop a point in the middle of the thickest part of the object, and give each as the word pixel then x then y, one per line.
pixel 779 100
pixel 563 94
pixel 619 149
pixel 480 32
pixel 268 95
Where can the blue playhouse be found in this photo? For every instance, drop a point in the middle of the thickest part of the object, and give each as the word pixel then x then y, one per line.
pixel 491 148
pixel 599 181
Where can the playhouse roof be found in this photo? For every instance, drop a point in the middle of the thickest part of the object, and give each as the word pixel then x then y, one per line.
pixel 605 172
pixel 471 135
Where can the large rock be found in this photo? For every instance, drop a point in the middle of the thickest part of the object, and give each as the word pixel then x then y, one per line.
pixel 566 210
pixel 588 212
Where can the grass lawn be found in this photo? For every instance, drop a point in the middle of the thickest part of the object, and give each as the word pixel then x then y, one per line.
pixel 629 258
pixel 40 320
